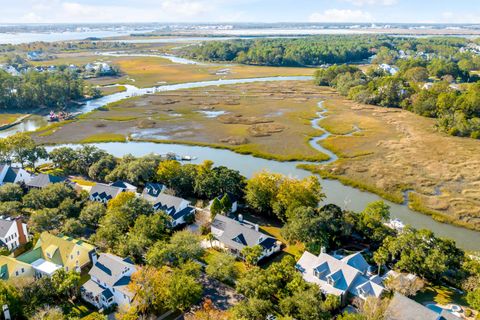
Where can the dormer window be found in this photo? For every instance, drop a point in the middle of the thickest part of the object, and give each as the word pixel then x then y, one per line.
pixel 330 281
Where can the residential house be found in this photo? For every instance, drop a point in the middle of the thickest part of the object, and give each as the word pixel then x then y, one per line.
pixel 403 308
pixel 177 208
pixel 235 235
pixel 153 190
pixel 109 280
pixel 42 180
pixel 103 192
pixel 340 277
pixel 12 268
pixel 52 253
pixel 232 198
pixel 124 185
pixel 35 55
pixel 9 174
pixel 10 70
pixel 13 232
pixel 388 68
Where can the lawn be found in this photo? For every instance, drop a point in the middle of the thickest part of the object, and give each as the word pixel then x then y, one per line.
pixel 440 294
pixel 84 182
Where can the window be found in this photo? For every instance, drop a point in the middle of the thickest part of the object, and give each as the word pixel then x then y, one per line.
pixel 23 270
pixel 78 253
pixel 16 273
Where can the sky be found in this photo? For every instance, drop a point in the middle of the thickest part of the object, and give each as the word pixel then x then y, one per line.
pixel 92 11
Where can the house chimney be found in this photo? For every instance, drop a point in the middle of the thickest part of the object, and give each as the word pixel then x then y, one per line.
pixel 256 227
pixel 323 250
pixel 240 218
pixel 22 237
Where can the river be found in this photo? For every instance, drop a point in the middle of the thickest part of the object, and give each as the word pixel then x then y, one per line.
pixel 337 193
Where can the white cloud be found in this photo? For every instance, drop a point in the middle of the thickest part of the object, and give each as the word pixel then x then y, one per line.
pixel 372 2
pixel 341 15
pixel 50 11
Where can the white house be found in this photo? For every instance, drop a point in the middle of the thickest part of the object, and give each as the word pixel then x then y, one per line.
pixel 13 232
pixel 340 276
pixel 109 280
pixel 388 68
pixel 103 192
pixel 8 174
pixel 10 70
pixel 234 236
pixel 177 208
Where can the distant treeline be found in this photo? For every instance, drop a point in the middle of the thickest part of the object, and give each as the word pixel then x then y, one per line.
pixel 326 49
pixel 288 52
pixel 40 89
pixel 457 111
pixel 54 47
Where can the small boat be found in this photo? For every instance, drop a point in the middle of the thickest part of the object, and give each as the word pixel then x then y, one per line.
pixel 188 158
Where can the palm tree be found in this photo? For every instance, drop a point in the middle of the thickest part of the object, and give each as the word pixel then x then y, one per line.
pixel 210 237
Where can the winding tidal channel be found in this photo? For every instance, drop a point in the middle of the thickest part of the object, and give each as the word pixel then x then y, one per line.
pixel 337 193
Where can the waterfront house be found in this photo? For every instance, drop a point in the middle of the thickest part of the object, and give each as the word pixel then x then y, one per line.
pixel 103 192
pixel 340 277
pixel 110 276
pixel 234 235
pixel 177 208
pixel 9 174
pixel 13 232
pixel 42 180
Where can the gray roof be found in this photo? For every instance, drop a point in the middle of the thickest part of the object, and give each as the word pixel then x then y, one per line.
pixel 403 308
pixel 10 176
pixel 357 261
pixel 318 269
pixel 5 225
pixel 153 189
pixel 237 235
pixel 43 180
pixel 105 191
pixel 109 269
pixel 166 200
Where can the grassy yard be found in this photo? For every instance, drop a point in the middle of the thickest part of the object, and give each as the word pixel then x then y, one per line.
pixel 440 294
pixel 78 309
pixel 83 182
